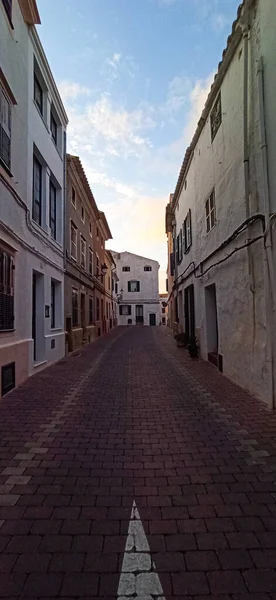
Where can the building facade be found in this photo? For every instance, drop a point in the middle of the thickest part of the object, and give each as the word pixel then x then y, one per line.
pixel 32 146
pixel 223 207
pixel 137 289
pixel 111 280
pixel 87 297
pixel 163 308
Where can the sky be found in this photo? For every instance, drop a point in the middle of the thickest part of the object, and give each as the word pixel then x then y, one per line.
pixel 134 76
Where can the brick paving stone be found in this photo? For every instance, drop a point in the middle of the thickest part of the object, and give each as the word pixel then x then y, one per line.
pixel 146 425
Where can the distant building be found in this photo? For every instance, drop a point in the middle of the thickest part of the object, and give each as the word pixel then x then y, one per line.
pixel 32 147
pixel 87 287
pixel 137 289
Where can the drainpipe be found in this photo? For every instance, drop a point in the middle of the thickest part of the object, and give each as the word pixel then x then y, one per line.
pixel 245 29
pixel 269 276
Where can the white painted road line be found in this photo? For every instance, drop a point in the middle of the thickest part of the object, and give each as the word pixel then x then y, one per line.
pixel 138 575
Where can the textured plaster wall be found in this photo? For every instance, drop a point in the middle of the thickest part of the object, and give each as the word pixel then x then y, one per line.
pixel 240 313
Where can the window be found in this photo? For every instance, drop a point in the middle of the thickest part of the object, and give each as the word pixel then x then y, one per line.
pixel 73 197
pixel 215 118
pixel 37 191
pixel 90 228
pixel 147 268
pixel 210 209
pixel 109 282
pixel 90 310
pixel 97 233
pixel 74 307
pixel 38 95
pixel 5 129
pixel 125 310
pixel 6 291
pixel 53 304
pixel 126 269
pixel 54 128
pixel 133 286
pixel 74 235
pixel 53 211
pixel 179 250
pixel 187 232
pixel 163 310
pixel 116 288
pixel 82 252
pixel 90 261
pixel 97 309
pixel 82 214
pixel 8 8
pixel 97 266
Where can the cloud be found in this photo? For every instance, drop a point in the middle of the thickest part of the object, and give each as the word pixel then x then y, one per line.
pixel 70 90
pixel 219 21
pixel 178 91
pixel 114 61
pixel 115 129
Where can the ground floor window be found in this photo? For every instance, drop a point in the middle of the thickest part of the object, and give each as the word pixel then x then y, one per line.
pixel 125 309
pixel 6 291
pixel 74 307
pixel 90 310
pixel 53 304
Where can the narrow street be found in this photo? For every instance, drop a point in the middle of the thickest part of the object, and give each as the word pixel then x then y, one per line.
pixel 129 469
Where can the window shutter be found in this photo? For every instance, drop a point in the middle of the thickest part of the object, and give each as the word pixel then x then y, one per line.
pixel 190 226
pixel 5 129
pixel 172 263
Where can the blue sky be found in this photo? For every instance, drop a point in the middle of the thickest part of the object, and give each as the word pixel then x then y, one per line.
pixel 134 76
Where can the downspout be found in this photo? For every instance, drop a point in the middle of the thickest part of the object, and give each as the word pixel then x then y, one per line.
pixel 269 276
pixel 64 231
pixel 245 29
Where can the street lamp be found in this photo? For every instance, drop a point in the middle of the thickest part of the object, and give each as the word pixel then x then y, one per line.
pixel 120 296
pixel 104 269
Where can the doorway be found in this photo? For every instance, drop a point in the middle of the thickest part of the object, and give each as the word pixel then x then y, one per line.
pixel 139 311
pixel 38 317
pixel 189 307
pixel 152 319
pixel 83 322
pixel 211 323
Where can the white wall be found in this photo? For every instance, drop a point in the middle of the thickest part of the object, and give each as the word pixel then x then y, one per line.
pixel 240 313
pixel 34 250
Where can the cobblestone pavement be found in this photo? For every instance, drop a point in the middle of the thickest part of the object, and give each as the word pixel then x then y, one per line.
pixel 130 469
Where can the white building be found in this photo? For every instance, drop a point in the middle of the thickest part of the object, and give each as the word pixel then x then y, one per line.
pixel 32 148
pixel 225 196
pixel 137 289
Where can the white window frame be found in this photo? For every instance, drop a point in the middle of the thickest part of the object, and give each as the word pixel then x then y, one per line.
pixel 187 232
pixel 73 243
pixel 74 203
pixel 210 211
pixel 82 252
pixel 134 283
pixel 91 257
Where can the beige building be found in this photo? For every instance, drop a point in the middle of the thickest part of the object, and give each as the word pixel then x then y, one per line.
pixel 87 298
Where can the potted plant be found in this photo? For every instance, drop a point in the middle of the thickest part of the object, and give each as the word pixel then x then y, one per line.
pixel 193 347
pixel 181 340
